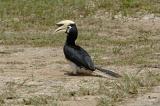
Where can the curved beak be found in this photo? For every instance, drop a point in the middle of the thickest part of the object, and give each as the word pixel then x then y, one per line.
pixel 60 29
pixel 62 25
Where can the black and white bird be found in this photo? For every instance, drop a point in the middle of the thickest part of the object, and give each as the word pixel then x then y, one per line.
pixel 79 59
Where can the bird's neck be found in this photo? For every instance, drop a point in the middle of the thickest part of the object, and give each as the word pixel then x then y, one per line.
pixel 71 37
pixel 70 42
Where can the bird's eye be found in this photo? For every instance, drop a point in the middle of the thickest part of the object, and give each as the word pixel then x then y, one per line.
pixel 69 27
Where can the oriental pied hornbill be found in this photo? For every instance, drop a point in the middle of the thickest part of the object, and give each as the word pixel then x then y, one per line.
pixel 77 56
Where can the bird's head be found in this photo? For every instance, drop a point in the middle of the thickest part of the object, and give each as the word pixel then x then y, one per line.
pixel 65 26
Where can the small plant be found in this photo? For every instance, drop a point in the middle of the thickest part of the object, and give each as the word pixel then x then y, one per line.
pixel 105 101
pixel 35 101
pixel 117 50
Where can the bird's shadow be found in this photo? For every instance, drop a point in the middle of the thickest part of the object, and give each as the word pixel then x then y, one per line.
pixel 80 74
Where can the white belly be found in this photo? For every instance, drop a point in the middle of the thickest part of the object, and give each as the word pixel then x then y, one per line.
pixel 78 70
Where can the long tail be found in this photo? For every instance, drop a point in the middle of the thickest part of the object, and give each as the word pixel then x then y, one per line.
pixel 111 73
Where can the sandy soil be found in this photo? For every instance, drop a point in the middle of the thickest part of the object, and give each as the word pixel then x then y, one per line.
pixel 26 72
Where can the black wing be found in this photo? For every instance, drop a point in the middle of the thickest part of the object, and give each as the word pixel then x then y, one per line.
pixel 79 56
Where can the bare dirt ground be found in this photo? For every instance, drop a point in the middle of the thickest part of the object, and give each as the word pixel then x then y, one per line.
pixel 38 75
pixel 27 72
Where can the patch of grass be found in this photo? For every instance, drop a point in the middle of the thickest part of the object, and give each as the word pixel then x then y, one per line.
pixel 128 86
pixel 20 15
pixel 1 100
pixel 139 56
pixel 33 39
pixel 112 92
pixel 35 101
pixel 136 50
pixel 105 101
pixel 9 93
pixel 39 16
pixel 117 50
pixel 40 100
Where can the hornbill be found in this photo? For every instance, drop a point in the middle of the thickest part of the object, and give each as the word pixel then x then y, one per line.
pixel 77 56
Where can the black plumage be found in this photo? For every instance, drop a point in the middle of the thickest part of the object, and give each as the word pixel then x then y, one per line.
pixel 75 53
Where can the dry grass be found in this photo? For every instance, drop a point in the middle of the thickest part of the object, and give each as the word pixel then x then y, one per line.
pixel 110 41
pixel 128 86
pixel 23 15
